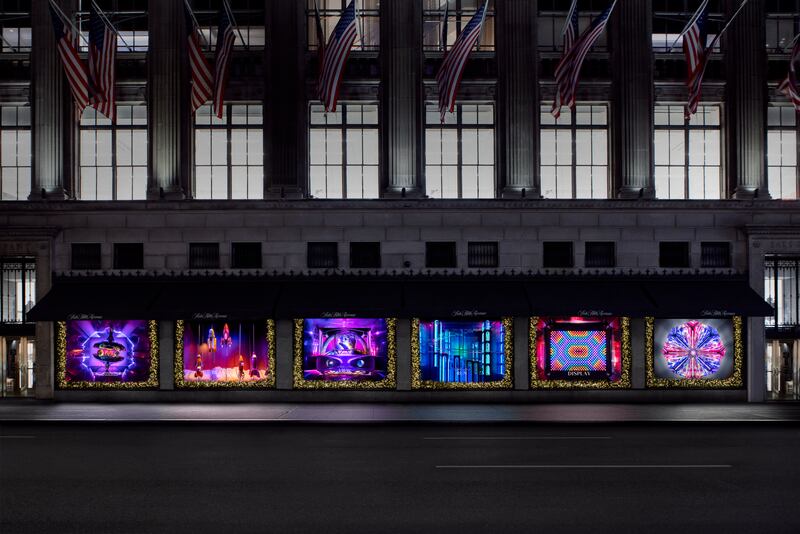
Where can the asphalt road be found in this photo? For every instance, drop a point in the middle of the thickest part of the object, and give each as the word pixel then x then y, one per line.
pixel 174 478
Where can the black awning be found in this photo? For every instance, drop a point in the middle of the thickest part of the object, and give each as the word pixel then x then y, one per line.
pixel 588 298
pixel 442 299
pixel 216 298
pixel 340 298
pixel 706 298
pixel 95 298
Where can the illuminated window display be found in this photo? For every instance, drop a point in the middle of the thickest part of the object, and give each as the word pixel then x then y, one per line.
pixel 461 354
pixel 107 354
pixel 580 352
pixel 694 352
pixel 344 352
pixel 224 353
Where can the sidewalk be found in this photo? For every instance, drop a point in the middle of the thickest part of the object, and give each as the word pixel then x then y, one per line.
pixel 33 411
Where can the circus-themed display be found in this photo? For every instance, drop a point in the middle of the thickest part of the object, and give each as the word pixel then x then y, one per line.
pixel 580 352
pixel 107 353
pixel 225 353
pixel 692 351
pixel 344 351
pixel 461 354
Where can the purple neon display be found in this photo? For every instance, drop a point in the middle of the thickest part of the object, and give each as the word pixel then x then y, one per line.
pixel 107 351
pixel 225 352
pixel 351 349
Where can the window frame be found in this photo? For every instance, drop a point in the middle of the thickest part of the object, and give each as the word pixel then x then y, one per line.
pixel 329 13
pixel 771 128
pixel 17 128
pixel 461 16
pixel 27 282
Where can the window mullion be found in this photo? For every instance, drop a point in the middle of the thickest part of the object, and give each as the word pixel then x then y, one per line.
pixel 228 136
pixel 344 150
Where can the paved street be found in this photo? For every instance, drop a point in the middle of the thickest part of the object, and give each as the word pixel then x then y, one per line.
pixel 206 477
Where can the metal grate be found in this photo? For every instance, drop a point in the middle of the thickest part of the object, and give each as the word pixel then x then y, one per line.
pixel 557 254
pixel 673 254
pixel 482 254
pixel 17 289
pixel 204 255
pixel 715 255
pixel 600 254
pixel 440 255
pixel 322 255
pixel 246 255
pixel 128 256
pixel 365 255
pixel 86 256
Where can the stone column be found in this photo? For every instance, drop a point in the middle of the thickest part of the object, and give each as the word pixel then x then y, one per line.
pixel 746 101
pixel 53 109
pixel 169 116
pixel 285 106
pixel 517 124
pixel 401 98
pixel 632 101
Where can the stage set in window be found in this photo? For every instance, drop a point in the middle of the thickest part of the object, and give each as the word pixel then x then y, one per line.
pixel 701 353
pixel 344 353
pixel 580 352
pixel 107 354
pixel 225 354
pixel 461 354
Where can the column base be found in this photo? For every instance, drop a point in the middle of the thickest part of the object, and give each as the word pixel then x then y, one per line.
pixel 636 193
pixel 744 192
pixel 402 192
pixel 166 194
pixel 516 192
pixel 48 194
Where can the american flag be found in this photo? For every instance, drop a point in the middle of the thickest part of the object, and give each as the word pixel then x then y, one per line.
pixel 694 48
pixel 568 70
pixel 74 68
pixel 789 85
pixel 449 75
pixel 202 80
pixel 570 33
pixel 225 39
pixel 102 56
pixel 335 57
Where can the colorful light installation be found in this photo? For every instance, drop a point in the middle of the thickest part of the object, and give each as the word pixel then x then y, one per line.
pixel 693 349
pixel 106 352
pixel 224 352
pixel 345 350
pixel 462 351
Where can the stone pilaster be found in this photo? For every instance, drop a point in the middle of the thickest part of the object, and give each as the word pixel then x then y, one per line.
pixel 746 101
pixel 53 110
pixel 632 101
pixel 401 98
pixel 285 107
pixel 517 124
pixel 169 116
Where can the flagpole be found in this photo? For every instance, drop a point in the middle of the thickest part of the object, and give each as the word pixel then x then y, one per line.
pixel 716 39
pixel 359 29
pixel 64 18
pixel 197 27
pixel 228 9
pixel 689 24
pixel 572 9
pixel 113 28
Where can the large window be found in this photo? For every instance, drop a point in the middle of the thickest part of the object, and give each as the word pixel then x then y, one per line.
pixel 574 152
pixel 553 15
pixel 17 289
pixel 127 16
pixel 343 151
pixel 782 152
pixel 114 157
pixel 459 154
pixel 781 24
pixel 249 18
pixel 15 152
pixel 670 17
pixel 330 11
pixel 458 14
pixel 687 153
pixel 229 153
pixel 15 26
pixel 781 290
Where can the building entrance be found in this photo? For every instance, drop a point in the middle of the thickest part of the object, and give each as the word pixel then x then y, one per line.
pixel 783 369
pixel 17 361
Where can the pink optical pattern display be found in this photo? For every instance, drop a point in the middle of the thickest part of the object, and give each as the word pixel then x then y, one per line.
pixel 225 352
pixel 578 348
pixel 107 351
pixel 693 350
pixel 345 350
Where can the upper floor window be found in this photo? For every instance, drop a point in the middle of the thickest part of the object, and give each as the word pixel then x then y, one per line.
pixel 459 154
pixel 459 12
pixel 15 152
pixel 17 289
pixel 113 157
pixel 782 290
pixel 229 153
pixel 781 28
pixel 15 26
pixel 248 17
pixel 129 19
pixel 574 152
pixel 343 151
pixel 782 152
pixel 330 11
pixel 553 15
pixel 671 16
pixel 687 153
